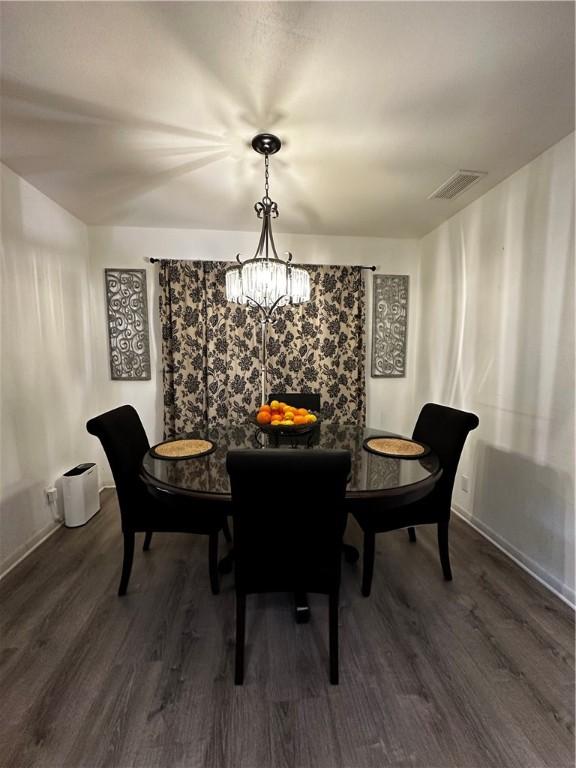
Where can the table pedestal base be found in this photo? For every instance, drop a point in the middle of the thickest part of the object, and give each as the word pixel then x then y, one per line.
pixel 302 609
pixel 301 605
pixel 226 563
pixel 351 554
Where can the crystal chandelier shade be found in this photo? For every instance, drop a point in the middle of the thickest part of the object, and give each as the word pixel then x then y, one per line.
pixel 299 285
pixel 234 286
pixel 266 281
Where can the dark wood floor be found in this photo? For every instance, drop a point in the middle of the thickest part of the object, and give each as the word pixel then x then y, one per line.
pixel 474 673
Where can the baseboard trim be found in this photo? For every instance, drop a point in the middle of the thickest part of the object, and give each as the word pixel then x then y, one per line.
pixel 29 547
pixel 35 541
pixel 565 594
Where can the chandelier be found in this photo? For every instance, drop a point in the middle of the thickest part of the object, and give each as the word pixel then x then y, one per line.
pixel 266 281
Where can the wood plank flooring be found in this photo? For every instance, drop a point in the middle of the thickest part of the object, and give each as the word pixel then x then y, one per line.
pixel 470 674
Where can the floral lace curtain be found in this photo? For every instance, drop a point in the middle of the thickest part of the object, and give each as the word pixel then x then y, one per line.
pixel 211 348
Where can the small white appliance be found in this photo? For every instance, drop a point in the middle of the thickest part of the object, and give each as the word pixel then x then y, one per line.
pixel 80 494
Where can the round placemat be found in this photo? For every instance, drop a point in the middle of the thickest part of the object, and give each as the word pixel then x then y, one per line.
pixel 182 449
pixel 396 447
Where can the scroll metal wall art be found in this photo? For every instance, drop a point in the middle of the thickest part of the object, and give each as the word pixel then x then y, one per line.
pixel 127 303
pixel 389 325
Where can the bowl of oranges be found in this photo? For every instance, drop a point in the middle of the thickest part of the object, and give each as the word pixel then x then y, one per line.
pixel 280 417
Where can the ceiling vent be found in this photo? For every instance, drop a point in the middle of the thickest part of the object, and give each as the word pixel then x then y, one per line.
pixel 456 184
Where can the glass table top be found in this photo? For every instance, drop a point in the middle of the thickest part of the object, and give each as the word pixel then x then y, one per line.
pixel 371 473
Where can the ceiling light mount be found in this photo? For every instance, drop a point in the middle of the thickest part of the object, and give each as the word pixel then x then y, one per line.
pixel 266 144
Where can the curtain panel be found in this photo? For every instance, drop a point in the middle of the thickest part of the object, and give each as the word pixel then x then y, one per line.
pixel 211 348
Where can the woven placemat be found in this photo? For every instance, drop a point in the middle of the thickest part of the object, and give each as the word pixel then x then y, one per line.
pixel 182 449
pixel 396 447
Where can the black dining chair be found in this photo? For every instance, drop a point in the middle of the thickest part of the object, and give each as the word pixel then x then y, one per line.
pixel 309 400
pixel 445 431
pixel 288 541
pixel 125 443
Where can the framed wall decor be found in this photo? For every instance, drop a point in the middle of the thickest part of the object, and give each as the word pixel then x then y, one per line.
pixel 129 343
pixel 389 325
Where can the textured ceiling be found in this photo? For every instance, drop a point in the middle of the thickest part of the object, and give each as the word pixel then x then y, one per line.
pixel 141 113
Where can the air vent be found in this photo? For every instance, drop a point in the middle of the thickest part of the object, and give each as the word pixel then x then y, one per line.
pixel 456 184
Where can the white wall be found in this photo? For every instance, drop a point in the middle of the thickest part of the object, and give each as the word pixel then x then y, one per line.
pixel 46 371
pixel 496 337
pixel 491 329
pixel 389 400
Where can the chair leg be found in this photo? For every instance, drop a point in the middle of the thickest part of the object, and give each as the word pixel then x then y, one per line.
pixel 226 531
pixel 443 549
pixel 333 636
pixel 412 534
pixel 240 637
pixel 147 540
pixel 368 565
pixel 213 563
pixel 127 562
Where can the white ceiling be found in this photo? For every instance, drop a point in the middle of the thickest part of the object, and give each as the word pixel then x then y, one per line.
pixel 141 113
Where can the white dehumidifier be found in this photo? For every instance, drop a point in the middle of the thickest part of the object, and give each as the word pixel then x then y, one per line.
pixel 80 494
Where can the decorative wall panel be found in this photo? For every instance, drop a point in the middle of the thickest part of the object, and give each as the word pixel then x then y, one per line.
pixel 389 325
pixel 126 298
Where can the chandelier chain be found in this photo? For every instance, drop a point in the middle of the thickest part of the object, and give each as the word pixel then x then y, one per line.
pixel 266 177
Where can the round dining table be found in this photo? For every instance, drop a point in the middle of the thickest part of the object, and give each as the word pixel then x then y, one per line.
pixel 383 482
pixel 394 481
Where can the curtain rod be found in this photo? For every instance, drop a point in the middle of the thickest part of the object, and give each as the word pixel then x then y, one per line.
pixel 372 269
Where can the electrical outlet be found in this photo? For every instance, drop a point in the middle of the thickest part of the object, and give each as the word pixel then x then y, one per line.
pixel 465 483
pixel 51 495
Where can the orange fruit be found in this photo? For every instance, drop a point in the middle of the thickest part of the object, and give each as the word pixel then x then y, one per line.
pixel 263 417
pixel 298 419
pixel 302 411
pixel 265 407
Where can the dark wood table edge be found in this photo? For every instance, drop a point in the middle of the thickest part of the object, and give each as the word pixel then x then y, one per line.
pixel 387 498
pixel 395 496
